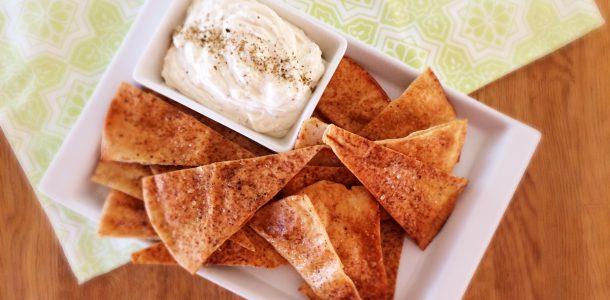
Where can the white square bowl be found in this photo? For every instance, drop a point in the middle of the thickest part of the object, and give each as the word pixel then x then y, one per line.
pixel 150 64
pixel 495 156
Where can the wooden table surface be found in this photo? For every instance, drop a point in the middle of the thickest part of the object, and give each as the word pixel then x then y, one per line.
pixel 553 243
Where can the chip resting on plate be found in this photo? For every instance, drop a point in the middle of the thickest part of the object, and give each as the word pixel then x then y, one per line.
pixel 419 197
pixel 422 105
pixel 156 254
pixel 352 98
pixel 392 238
pixel 142 128
pixel 312 174
pixel 310 134
pixel 125 216
pixel 439 146
pixel 293 228
pixel 234 136
pixel 351 219
pixel 124 177
pixel 195 210
pixel 229 254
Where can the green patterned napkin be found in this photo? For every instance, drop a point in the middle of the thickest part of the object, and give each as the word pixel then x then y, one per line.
pixel 53 52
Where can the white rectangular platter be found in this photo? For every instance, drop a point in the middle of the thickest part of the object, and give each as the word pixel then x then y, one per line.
pixel 495 157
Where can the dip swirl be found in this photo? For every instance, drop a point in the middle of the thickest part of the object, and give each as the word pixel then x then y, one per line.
pixel 239 58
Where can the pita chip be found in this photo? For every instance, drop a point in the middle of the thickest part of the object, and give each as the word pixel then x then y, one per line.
pixel 125 216
pixel 352 98
pixel 439 146
pixel 351 219
pixel 392 238
pixel 243 239
pixel 156 254
pixel 419 197
pixel 312 174
pixel 263 255
pixel 293 228
pixel 311 133
pixel 195 210
pixel 240 237
pixel 422 105
pixel 124 177
pixel 157 169
pixel 142 128
pixel 229 254
pixel 234 136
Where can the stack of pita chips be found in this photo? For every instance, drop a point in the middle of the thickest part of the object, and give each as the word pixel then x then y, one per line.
pixel 364 174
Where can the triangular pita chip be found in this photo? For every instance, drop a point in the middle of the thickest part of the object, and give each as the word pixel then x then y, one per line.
pixel 351 219
pixel 243 239
pixel 422 105
pixel 312 174
pixel 392 238
pixel 293 228
pixel 156 254
pixel 229 254
pixel 263 255
pixel 325 158
pixel 124 177
pixel 419 197
pixel 439 146
pixel 142 128
pixel 309 135
pixel 234 136
pixel 195 210
pixel 239 237
pixel 352 98
pixel 125 216
pixel 157 169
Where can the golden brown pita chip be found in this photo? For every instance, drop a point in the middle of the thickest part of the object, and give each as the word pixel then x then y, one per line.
pixel 195 210
pixel 419 197
pixel 157 169
pixel 312 174
pixel 352 98
pixel 308 292
pixel 422 105
pixel 156 254
pixel 229 254
pixel 325 158
pixel 311 133
pixel 142 128
pixel 243 239
pixel 234 136
pixel 263 255
pixel 392 238
pixel 125 216
pixel 124 177
pixel 293 228
pixel 439 146
pixel 351 219
pixel 240 237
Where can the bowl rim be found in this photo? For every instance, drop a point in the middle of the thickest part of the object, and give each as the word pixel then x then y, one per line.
pixel 146 78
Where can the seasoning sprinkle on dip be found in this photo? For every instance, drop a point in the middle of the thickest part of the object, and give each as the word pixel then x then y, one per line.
pixel 241 59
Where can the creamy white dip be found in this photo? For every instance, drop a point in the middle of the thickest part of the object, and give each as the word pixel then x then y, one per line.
pixel 239 58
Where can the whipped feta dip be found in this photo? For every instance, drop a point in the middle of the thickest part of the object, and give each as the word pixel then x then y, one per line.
pixel 239 58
